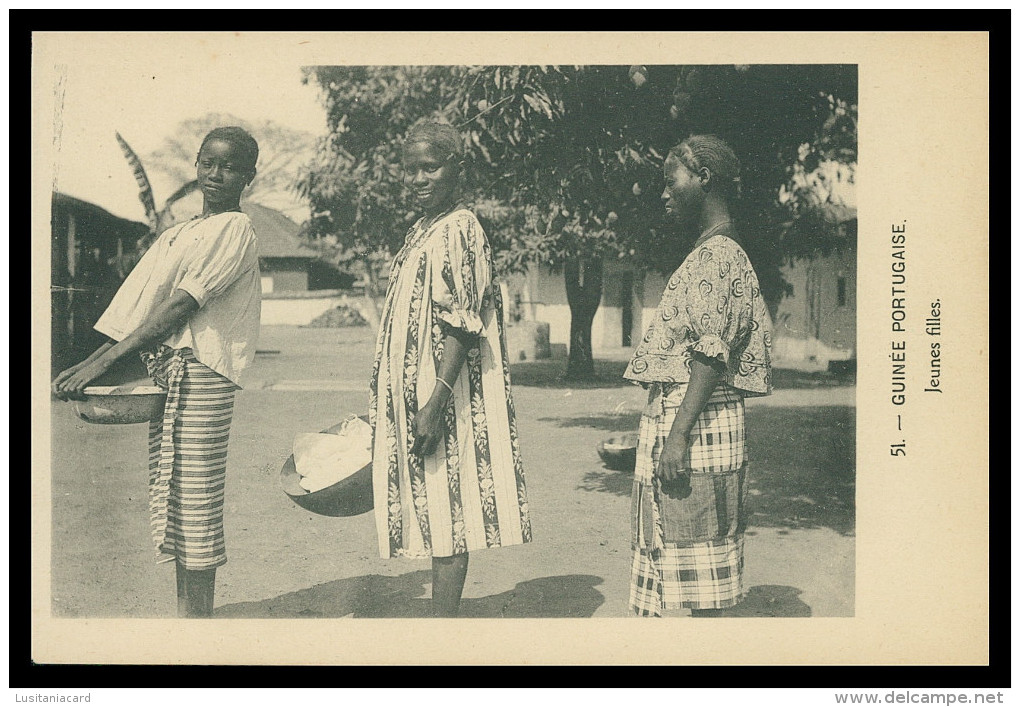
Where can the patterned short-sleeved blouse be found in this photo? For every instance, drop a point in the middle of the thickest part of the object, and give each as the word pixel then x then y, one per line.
pixel 712 304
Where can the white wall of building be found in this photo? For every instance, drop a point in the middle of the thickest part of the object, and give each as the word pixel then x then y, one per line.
pixel 818 322
pixel 815 325
pixel 543 297
pixel 296 312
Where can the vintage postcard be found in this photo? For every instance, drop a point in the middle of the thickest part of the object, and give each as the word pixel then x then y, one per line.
pixel 517 258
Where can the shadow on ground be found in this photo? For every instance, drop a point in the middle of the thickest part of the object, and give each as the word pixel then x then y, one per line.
pixel 762 601
pixel 770 600
pixel 607 480
pixel 802 465
pixel 407 597
pixel 549 372
pixel 611 422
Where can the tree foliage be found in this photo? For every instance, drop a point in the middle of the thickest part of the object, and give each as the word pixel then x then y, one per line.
pixel 782 121
pixel 569 146
pixel 565 162
pixel 359 205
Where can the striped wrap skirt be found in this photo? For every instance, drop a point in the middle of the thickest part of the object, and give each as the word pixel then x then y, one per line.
pixel 188 459
pixel 688 538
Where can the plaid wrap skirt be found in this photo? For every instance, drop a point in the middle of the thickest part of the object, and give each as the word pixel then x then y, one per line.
pixel 688 538
pixel 188 459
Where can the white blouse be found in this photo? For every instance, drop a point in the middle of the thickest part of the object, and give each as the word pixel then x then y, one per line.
pixel 215 260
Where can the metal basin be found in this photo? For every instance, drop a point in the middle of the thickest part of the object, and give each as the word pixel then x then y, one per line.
pixel 348 497
pixel 619 453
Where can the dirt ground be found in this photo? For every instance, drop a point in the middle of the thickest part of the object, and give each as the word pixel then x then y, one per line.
pixel 287 562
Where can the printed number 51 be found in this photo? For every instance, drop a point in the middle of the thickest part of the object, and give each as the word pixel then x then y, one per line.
pixel 898 450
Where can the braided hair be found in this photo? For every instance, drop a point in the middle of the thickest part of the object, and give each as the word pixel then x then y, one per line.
pixel 711 152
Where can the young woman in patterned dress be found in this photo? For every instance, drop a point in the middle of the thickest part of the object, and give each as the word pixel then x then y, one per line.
pixel 447 470
pixel 707 348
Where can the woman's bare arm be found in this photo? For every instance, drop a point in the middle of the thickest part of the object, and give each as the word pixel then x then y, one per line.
pixel 705 375
pixel 67 372
pixel 165 320
pixel 427 425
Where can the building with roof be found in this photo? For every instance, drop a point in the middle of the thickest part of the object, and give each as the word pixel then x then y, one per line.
pixel 91 251
pixel 285 261
pixel 297 285
pixel 815 326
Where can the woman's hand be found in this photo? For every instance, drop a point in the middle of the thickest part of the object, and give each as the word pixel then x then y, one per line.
pixel 55 387
pixel 674 463
pixel 427 428
pixel 64 375
pixel 70 383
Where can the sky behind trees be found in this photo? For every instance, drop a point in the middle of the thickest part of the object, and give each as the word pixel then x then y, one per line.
pixel 146 101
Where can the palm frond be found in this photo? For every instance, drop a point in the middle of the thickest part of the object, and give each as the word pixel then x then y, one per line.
pixel 166 219
pixel 144 187
pixel 182 192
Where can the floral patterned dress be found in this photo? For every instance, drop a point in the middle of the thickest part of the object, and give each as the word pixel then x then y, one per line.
pixel 470 493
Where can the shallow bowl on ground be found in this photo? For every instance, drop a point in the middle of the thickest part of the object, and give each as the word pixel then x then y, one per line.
pixel 121 404
pixel 619 453
pixel 348 497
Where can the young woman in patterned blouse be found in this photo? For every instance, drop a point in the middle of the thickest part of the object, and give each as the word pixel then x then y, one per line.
pixel 707 348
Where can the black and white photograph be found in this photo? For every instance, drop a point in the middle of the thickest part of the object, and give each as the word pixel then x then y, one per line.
pixel 462 342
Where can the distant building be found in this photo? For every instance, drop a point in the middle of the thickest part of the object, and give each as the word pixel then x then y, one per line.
pixel 815 327
pixel 284 260
pixel 629 299
pixel 91 251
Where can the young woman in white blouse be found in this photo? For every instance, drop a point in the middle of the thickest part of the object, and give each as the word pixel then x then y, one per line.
pixel 190 308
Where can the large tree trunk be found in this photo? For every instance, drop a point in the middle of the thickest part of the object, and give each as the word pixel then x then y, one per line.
pixel 583 278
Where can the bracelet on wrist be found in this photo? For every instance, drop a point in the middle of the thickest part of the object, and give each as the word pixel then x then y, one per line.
pixel 448 386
